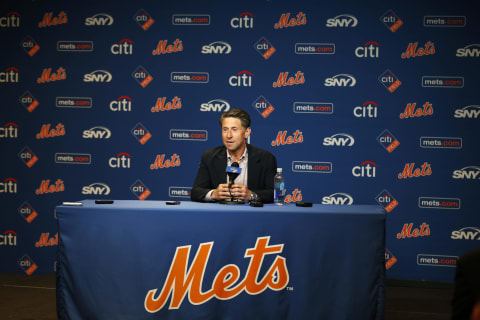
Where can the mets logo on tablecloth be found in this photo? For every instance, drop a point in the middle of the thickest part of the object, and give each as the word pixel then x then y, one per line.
pixel 183 280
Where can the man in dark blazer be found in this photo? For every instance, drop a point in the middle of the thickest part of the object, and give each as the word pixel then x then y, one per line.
pixel 258 166
pixel 466 295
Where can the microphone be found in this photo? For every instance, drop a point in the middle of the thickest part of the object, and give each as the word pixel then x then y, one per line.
pixel 233 172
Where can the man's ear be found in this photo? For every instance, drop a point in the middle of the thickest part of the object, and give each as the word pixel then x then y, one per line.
pixel 247 132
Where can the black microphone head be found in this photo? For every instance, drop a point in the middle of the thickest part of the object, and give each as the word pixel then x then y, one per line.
pixel 235 164
pixel 232 175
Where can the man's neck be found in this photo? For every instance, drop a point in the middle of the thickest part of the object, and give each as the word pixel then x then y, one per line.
pixel 236 155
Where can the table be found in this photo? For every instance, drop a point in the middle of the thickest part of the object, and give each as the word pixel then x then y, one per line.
pixel 150 260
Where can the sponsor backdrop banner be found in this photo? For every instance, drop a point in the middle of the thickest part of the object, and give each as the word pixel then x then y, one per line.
pixel 361 103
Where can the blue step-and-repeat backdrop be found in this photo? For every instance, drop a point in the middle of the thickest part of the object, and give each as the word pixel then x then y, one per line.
pixel 361 103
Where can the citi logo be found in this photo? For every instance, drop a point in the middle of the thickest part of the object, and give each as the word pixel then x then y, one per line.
pixel 122 104
pixel 342 21
pixel 27 212
pixel 368 50
pixel 216 105
pixel 8 238
pixel 341 80
pixel 340 140
pixel 96 188
pixel 140 190
pixel 470 51
pixel 12 20
pixel 244 21
pixel 338 199
pixel 123 47
pixel 257 278
pixel 27 265
pixel 97 133
pixel 9 185
pixel 367 110
pixel 365 169
pixel 217 47
pixel 122 160
pixel 100 19
pixel 469 173
pixel 98 76
pixel 9 130
pixel 471 112
pixel 10 75
pixel 467 233
pixel 242 79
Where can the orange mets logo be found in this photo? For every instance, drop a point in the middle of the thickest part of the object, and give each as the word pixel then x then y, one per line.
pixel 183 279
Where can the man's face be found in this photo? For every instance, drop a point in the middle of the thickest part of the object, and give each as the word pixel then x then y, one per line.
pixel 233 134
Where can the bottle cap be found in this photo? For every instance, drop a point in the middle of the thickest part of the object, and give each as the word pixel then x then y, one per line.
pixel 279 170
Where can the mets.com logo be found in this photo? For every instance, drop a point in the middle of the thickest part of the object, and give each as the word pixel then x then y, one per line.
pixel 439 203
pixel 312 166
pixel 442 82
pixel 441 142
pixel 187 134
pixel 179 192
pixel 436 260
pixel 256 280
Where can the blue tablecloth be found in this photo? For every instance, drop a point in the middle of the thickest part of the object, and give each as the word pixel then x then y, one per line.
pixel 214 261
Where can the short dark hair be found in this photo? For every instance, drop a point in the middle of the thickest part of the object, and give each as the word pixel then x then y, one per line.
pixel 239 114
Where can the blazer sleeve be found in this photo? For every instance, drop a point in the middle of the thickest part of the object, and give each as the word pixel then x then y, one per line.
pixel 203 183
pixel 265 184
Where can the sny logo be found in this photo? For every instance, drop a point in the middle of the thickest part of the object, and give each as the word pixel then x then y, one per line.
pixel 98 76
pixel 342 20
pixel 99 19
pixel 469 173
pixel 216 105
pixel 97 132
pixel 96 188
pixel 245 20
pixel 276 277
pixel 338 198
pixel 140 190
pixel 339 139
pixel 217 47
pixel 341 80
pixel 466 233
pixel 470 51
pixel 471 112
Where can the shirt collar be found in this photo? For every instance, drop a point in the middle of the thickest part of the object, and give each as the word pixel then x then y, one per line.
pixel 243 157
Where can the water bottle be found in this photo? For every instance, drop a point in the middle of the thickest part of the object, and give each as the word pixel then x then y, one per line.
pixel 279 188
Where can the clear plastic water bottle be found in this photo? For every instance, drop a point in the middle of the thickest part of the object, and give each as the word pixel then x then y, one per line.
pixel 279 188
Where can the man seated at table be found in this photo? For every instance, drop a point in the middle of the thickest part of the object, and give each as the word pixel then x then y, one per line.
pixel 255 181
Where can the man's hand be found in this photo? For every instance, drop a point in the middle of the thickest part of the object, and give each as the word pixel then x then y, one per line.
pixel 221 193
pixel 240 191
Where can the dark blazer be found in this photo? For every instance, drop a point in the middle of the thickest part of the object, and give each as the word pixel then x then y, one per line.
pixel 262 166
pixel 467 285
